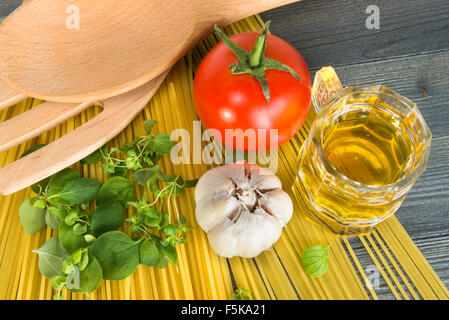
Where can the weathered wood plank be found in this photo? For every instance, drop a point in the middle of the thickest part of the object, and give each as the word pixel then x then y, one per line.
pixel 422 78
pixel 335 33
pixel 436 252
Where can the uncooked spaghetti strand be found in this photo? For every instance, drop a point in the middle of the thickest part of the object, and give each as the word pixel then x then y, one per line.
pixel 397 267
pixel 379 267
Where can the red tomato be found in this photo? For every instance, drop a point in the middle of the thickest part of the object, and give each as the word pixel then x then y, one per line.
pixel 227 101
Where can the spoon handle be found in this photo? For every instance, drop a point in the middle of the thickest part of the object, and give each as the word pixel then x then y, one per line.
pixel 117 113
pixel 9 97
pixel 228 11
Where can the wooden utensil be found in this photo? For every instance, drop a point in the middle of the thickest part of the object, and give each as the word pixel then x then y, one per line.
pixel 117 113
pixel 75 51
pixel 9 97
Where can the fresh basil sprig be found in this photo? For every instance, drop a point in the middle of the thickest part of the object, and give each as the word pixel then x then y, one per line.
pixel 142 152
pixel 88 214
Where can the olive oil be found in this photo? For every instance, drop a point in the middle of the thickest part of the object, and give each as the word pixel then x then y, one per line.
pixel 364 146
pixel 365 150
pixel 368 145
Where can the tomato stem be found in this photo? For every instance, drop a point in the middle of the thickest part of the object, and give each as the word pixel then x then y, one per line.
pixel 260 46
pixel 255 62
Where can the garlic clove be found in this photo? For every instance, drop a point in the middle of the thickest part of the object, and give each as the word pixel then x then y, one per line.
pixel 264 179
pixel 214 184
pixel 238 173
pixel 278 204
pixel 223 208
pixel 263 231
pixel 247 237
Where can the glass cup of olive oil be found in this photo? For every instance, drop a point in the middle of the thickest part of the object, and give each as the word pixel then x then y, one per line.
pixel 365 150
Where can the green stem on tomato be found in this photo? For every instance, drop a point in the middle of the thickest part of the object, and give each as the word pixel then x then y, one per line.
pixel 259 48
pixel 255 62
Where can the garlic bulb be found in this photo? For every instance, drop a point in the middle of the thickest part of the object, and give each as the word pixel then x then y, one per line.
pixel 242 208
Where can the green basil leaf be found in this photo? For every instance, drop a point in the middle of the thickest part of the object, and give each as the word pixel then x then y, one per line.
pixel 153 217
pixel 71 218
pixel 149 124
pixel 80 190
pixel 162 143
pixel 32 149
pixel 108 217
pixel 314 260
pixel 89 238
pixel 59 212
pixel 143 175
pixel 73 259
pixel 32 218
pixel 58 283
pixel 149 254
pixel 162 262
pixel 39 203
pixel 117 253
pixel 119 172
pixel 91 277
pixel 190 183
pixel 51 258
pixel 70 241
pixel 84 260
pixel 79 228
pixel 58 180
pixel 92 158
pixel 165 250
pixel 170 230
pixel 241 294
pixel 116 188
pixel 164 221
pixel 51 219
pixel 40 186
pixel 169 252
pixel 95 156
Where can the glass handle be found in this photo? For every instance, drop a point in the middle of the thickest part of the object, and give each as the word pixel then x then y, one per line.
pixel 325 85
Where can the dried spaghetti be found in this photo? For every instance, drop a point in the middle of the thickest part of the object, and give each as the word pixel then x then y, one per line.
pixel 201 274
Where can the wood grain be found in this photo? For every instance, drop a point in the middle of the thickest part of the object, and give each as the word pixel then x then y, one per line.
pixel 117 113
pixel 109 47
pixel 39 119
pixel 334 32
pixel 9 97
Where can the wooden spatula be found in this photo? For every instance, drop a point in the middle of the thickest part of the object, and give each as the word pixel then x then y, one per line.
pixel 117 113
pixel 75 51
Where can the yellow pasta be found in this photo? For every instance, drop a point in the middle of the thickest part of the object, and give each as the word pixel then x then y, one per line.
pixel 201 274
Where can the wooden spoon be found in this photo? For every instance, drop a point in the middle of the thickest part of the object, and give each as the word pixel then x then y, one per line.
pixel 9 97
pixel 115 45
pixel 117 113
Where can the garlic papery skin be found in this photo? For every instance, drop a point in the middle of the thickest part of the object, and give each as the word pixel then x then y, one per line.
pixel 242 208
